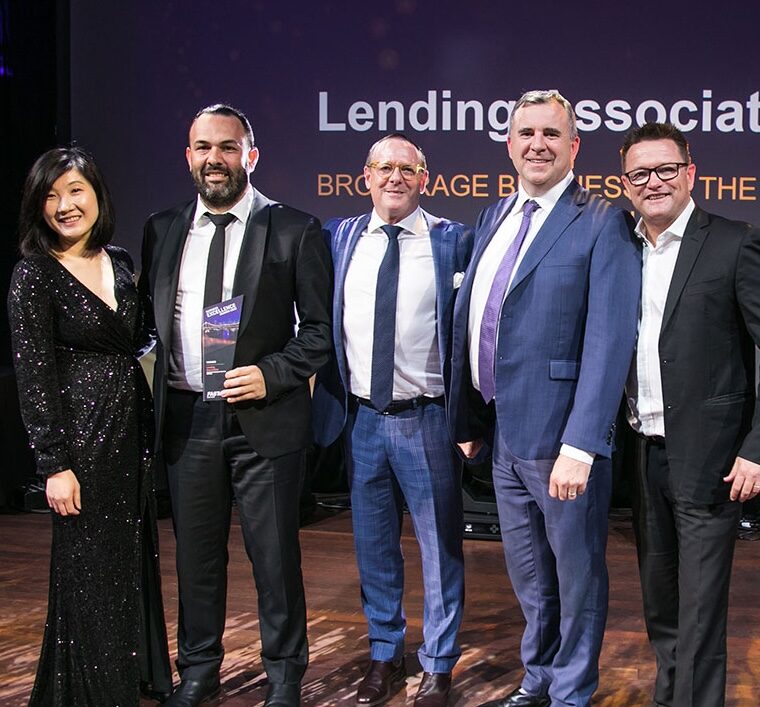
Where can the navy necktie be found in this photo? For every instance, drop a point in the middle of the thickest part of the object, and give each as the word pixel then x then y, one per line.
pixel 384 334
pixel 489 323
pixel 212 292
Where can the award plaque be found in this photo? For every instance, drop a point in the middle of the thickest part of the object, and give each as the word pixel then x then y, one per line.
pixel 221 322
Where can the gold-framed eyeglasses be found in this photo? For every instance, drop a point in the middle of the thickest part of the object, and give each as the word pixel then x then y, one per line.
pixel 665 172
pixel 386 169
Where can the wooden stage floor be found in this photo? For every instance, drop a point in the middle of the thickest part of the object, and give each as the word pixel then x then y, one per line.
pixel 490 635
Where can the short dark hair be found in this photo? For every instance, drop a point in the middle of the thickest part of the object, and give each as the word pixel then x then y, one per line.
pixel 397 136
pixel 35 236
pixel 655 131
pixel 232 112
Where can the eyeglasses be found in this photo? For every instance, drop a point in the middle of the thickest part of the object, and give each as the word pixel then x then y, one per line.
pixel 665 172
pixel 386 169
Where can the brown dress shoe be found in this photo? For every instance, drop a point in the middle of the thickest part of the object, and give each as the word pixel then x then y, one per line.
pixel 382 681
pixel 434 690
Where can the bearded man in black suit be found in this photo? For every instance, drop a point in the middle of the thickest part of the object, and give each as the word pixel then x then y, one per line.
pixel 231 240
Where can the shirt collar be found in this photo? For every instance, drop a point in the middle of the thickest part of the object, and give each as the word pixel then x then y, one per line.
pixel 240 210
pixel 413 223
pixel 545 201
pixel 675 230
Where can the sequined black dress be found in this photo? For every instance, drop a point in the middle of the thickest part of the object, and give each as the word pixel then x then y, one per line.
pixel 86 405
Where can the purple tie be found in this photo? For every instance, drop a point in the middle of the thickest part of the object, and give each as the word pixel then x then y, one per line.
pixel 489 323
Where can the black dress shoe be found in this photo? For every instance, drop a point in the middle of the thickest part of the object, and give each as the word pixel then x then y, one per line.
pixel 519 698
pixel 434 690
pixel 147 690
pixel 283 694
pixel 382 681
pixel 192 693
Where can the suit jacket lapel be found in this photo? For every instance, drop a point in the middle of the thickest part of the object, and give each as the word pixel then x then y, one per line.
pixel 248 272
pixel 346 236
pixel 442 245
pixel 693 240
pixel 565 211
pixel 167 271
pixel 490 226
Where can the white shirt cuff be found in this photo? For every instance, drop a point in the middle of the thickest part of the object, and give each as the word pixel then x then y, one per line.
pixel 578 454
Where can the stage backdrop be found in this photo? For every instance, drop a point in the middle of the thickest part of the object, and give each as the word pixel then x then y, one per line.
pixel 321 81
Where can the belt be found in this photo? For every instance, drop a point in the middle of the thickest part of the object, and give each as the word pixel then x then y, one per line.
pixel 183 391
pixel 656 440
pixel 398 406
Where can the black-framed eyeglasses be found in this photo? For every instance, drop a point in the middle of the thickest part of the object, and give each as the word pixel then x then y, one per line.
pixel 386 169
pixel 665 172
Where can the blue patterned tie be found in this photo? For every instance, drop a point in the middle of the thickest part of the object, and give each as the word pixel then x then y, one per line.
pixel 212 292
pixel 384 335
pixel 489 323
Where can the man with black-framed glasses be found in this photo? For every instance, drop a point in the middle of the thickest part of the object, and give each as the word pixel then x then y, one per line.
pixel 691 401
pixel 397 272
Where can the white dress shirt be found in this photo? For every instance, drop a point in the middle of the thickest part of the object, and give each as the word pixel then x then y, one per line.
pixel 489 264
pixel 417 365
pixel 644 387
pixel 185 357
pixel 494 253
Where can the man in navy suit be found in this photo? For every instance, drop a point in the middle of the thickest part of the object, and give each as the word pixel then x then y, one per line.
pixel 544 332
pixel 397 270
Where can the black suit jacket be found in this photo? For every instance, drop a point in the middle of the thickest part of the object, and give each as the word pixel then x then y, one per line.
pixel 710 327
pixel 283 267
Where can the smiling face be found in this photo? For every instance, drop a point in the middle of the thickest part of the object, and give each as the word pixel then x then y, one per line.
pixel 71 209
pixel 395 197
pixel 541 146
pixel 659 202
pixel 220 159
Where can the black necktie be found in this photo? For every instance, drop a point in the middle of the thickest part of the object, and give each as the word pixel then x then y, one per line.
pixel 384 335
pixel 215 265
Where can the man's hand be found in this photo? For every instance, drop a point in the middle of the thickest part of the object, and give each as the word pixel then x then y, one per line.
pixel 470 449
pixel 568 478
pixel 244 383
pixel 744 479
pixel 62 491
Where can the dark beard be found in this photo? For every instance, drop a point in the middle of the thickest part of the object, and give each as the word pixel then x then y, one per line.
pixel 221 196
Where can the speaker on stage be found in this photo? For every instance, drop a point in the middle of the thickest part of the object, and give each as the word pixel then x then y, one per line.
pixel 481 519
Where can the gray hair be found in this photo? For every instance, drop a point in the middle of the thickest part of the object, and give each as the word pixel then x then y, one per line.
pixel 533 98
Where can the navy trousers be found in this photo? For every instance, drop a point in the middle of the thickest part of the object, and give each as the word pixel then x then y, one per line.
pixel 555 555
pixel 392 458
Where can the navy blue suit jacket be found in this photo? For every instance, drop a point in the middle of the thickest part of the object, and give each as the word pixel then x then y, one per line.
pixel 451 244
pixel 566 335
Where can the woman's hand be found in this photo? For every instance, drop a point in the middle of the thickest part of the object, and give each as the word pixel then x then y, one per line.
pixel 62 491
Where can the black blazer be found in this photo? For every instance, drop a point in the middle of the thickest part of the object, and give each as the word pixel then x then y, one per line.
pixel 710 327
pixel 284 267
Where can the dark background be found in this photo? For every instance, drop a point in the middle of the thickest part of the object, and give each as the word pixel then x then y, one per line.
pixel 140 70
pixel 123 80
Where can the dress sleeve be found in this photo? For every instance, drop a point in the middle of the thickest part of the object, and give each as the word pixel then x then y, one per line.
pixel 31 314
pixel 144 329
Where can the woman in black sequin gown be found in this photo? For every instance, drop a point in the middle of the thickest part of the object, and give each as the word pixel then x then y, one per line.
pixel 77 326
